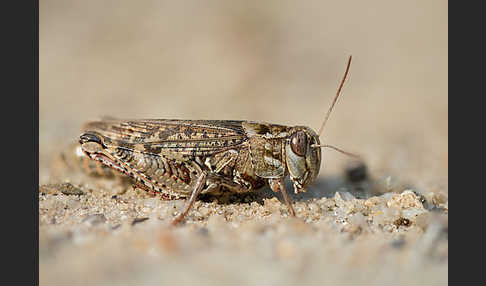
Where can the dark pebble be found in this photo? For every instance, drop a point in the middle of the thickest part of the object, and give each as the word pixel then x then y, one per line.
pixel 356 171
pixel 139 220
pixel 402 221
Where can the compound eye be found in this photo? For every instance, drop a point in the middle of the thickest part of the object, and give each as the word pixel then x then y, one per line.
pixel 298 143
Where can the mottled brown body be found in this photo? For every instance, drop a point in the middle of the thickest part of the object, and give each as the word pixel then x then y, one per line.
pixel 168 156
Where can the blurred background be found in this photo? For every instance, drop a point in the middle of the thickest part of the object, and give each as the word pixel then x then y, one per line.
pixel 274 61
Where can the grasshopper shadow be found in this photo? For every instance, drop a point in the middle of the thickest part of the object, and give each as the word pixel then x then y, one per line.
pixel 321 188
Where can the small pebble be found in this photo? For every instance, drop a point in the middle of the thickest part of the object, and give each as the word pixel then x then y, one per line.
pixel 64 188
pixel 407 199
pixel 402 221
pixel 418 216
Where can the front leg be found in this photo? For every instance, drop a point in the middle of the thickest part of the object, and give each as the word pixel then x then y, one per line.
pixel 278 185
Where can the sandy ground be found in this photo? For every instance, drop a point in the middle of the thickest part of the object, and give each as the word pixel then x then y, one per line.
pixel 278 62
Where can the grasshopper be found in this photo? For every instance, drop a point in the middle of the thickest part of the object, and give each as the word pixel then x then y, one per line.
pixel 185 158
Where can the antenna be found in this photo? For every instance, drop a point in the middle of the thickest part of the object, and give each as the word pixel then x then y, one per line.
pixel 337 149
pixel 336 97
pixel 329 113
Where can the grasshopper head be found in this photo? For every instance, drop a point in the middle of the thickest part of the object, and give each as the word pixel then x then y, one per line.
pixel 303 161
